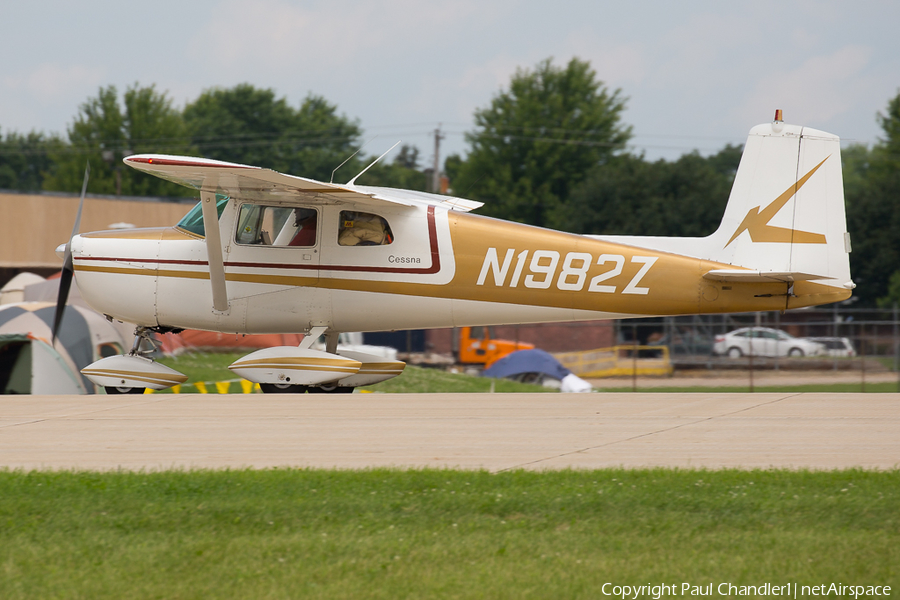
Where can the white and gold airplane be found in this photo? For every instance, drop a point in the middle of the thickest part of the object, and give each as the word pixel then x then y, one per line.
pixel 264 252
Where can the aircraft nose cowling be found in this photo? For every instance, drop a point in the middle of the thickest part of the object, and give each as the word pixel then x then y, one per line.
pixel 116 273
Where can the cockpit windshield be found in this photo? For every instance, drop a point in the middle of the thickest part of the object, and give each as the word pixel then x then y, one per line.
pixel 193 221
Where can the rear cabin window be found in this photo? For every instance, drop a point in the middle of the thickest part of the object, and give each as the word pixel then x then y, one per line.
pixel 277 226
pixel 363 229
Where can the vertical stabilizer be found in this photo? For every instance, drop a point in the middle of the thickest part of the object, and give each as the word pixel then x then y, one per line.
pixel 786 209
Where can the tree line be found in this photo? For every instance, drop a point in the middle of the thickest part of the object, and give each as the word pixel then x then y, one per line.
pixel 550 150
pixel 243 124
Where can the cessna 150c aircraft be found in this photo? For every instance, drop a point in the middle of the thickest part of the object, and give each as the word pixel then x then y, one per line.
pixel 264 252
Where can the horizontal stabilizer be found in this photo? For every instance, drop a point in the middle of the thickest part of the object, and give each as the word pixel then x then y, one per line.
pixel 748 276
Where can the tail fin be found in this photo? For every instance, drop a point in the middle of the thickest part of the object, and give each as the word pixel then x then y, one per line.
pixel 785 215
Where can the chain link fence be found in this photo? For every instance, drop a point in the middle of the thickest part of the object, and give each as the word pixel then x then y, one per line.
pixel 860 344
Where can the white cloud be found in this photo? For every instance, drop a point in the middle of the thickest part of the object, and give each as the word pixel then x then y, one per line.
pixel 48 81
pixel 458 94
pixel 46 97
pixel 334 38
pixel 821 88
pixel 617 63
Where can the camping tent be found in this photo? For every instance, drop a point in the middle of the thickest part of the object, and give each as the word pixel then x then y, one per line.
pixel 14 290
pixel 28 362
pixel 535 365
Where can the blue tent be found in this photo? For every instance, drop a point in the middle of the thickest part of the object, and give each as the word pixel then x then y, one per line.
pixel 527 361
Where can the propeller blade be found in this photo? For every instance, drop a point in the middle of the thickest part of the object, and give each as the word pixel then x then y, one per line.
pixel 68 268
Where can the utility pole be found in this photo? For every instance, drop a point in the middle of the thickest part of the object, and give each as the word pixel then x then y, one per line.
pixel 436 173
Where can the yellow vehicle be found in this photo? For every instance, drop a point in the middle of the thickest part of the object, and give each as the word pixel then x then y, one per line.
pixel 478 346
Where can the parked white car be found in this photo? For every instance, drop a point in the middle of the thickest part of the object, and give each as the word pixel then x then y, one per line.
pixel 835 346
pixel 763 341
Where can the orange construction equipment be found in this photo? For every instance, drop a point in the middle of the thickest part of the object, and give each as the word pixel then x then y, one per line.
pixel 478 346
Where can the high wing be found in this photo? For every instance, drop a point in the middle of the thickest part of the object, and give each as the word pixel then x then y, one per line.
pixel 255 183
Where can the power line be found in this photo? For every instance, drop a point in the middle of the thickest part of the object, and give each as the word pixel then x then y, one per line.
pixel 312 138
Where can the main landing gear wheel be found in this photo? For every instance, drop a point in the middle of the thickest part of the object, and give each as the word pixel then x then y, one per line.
pixel 123 390
pixel 330 389
pixel 282 388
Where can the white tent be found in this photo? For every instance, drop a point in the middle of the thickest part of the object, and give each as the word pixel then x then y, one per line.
pixel 14 290
pixel 28 362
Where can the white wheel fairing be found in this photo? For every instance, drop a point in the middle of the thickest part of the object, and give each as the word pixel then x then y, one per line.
pixel 290 365
pixel 373 369
pixel 132 372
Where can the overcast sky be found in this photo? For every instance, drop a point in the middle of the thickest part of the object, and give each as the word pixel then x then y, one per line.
pixel 697 75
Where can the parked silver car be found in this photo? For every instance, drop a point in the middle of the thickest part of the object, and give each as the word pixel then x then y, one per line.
pixel 763 341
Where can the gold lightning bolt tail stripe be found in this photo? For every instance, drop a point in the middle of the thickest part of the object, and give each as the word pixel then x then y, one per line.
pixel 756 223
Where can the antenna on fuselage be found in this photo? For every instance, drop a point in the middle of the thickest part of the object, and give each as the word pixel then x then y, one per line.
pixel 344 163
pixel 346 160
pixel 352 181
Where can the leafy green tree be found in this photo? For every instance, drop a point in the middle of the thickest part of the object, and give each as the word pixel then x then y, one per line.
pixel 403 172
pixel 105 131
pixel 893 292
pixel 631 196
pixel 322 141
pixel 890 123
pixel 248 125
pixel 453 165
pixel 24 160
pixel 871 191
pixel 539 139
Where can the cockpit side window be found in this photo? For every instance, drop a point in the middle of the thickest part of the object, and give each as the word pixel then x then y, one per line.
pixel 363 229
pixel 193 221
pixel 277 226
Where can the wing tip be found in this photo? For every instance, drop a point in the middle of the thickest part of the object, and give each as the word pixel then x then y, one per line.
pixel 166 160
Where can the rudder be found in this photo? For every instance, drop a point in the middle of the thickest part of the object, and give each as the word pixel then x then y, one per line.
pixel 786 212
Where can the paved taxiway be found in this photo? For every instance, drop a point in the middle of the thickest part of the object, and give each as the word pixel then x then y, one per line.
pixel 472 431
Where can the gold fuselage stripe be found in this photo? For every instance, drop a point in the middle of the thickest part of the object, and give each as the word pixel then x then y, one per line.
pixel 675 283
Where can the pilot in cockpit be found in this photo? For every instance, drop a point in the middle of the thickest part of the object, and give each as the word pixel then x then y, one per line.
pixel 305 220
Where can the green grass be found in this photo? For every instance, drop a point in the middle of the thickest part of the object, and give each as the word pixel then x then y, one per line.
pixel 438 534
pixel 213 366
pixel 418 380
pixel 880 387
pixel 203 366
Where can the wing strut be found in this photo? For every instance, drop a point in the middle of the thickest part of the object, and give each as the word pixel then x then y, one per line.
pixel 214 250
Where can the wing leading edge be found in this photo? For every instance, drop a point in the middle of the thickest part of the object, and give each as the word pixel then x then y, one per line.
pixel 255 183
pixel 244 181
